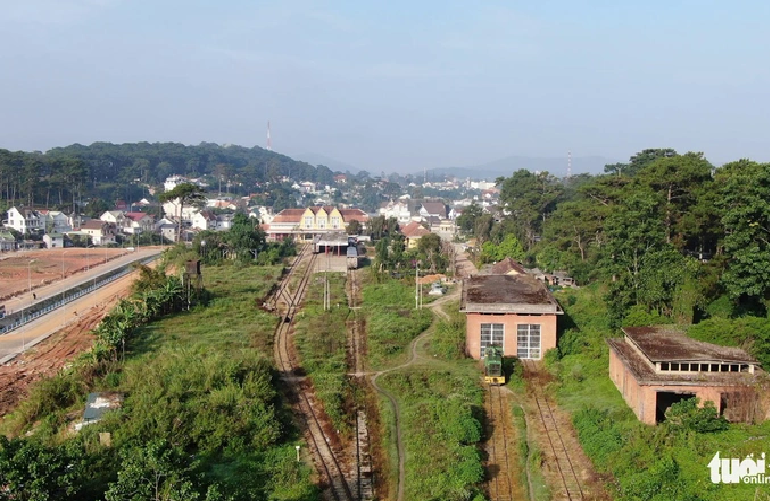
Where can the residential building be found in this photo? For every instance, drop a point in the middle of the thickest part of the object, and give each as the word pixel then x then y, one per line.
pixel 54 240
pixel 25 220
pixel 515 312
pixel 167 229
pixel 437 209
pixel 7 241
pixel 655 367
pixel 413 232
pixel 173 210
pixel 116 217
pixel 398 210
pixel 204 220
pixel 138 222
pixel 101 232
pixel 55 220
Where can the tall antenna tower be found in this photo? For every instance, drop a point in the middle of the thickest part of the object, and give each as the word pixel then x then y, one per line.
pixel 269 141
pixel 569 164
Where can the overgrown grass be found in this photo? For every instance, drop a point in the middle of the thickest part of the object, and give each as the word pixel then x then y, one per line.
pixel 440 400
pixel 201 380
pixel 441 429
pixel 321 338
pixel 391 322
pixel 653 463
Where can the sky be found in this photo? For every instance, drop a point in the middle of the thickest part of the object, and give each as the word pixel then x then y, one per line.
pixel 393 86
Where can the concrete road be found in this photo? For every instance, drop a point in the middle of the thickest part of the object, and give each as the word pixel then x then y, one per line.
pixel 24 301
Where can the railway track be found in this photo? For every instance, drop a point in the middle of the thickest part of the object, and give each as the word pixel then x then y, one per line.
pixel 363 482
pixel 565 468
pixel 500 484
pixel 319 442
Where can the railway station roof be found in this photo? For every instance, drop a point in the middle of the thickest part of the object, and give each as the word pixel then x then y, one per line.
pixel 507 294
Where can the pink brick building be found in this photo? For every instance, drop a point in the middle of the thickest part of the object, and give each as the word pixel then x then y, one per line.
pixel 516 312
pixel 654 367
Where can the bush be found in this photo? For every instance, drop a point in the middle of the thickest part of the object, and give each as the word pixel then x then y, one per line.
pixel 686 415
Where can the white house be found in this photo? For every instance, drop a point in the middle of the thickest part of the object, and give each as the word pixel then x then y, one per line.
pixel 204 220
pixel 114 216
pixel 25 220
pixel 54 240
pixel 101 232
pixel 55 220
pixel 172 182
pixel 173 210
pixel 398 210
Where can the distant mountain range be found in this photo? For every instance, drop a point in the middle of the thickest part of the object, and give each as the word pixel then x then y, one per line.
pixel 506 166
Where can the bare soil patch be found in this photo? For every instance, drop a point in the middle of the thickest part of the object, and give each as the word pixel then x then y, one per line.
pixel 50 265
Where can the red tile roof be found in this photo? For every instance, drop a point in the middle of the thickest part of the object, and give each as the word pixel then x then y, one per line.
pixel 414 230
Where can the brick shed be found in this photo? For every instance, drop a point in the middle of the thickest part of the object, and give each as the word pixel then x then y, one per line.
pixel 655 367
pixel 516 312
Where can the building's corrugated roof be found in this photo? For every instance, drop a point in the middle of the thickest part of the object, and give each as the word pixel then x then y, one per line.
pixel 664 344
pixel 644 373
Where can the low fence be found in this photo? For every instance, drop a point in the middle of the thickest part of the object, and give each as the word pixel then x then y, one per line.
pixel 18 318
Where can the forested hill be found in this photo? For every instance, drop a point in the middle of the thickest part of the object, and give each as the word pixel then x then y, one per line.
pixel 109 170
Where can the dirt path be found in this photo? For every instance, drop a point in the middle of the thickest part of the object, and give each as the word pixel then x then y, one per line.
pixel 436 307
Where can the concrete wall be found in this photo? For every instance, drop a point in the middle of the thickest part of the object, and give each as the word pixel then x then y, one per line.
pixel 473 323
pixel 642 399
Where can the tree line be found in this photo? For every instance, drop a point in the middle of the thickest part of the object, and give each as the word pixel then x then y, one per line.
pixel 671 235
pixel 69 177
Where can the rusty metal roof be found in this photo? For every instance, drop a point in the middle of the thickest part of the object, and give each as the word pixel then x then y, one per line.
pixel 507 293
pixel 666 344
pixel 644 373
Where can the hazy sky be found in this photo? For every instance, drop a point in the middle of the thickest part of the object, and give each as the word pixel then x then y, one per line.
pixel 391 85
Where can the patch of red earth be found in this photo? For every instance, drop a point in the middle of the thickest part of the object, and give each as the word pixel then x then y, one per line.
pixel 50 265
pixel 46 359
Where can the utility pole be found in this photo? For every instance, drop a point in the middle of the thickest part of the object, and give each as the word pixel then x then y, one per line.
pixel 416 287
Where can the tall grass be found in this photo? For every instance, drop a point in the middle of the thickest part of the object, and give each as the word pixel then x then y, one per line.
pixel 391 322
pixel 204 381
pixel 321 339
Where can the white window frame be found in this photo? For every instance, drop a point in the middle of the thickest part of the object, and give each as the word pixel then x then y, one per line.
pixel 526 334
pixel 495 334
pixel 308 222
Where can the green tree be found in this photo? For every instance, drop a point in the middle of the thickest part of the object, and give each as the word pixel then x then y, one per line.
pixel 159 472
pixel 746 219
pixel 509 247
pixel 677 179
pixel 30 471
pixel 354 227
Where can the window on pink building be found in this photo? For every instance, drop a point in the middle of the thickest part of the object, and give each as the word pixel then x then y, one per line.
pixel 528 341
pixel 492 334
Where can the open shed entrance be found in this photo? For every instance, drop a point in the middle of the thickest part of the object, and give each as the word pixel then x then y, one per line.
pixel 665 399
